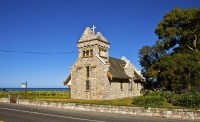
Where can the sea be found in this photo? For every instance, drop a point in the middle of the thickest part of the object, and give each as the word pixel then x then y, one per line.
pixel 35 89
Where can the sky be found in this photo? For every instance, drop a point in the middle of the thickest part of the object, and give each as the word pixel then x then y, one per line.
pixel 55 26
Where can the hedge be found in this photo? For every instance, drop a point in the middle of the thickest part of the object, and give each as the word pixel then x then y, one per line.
pixel 149 101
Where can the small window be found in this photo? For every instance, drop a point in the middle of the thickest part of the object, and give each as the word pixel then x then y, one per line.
pixel 121 85
pixel 91 53
pixel 88 72
pixel 87 53
pixel 131 85
pixel 99 52
pixel 87 85
pixel 103 53
pixel 83 53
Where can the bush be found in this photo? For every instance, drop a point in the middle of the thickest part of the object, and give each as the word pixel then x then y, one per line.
pixel 154 93
pixel 43 94
pixel 149 101
pixel 189 99
pixel 168 95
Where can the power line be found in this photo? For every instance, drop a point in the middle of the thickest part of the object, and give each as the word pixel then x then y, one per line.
pixel 10 51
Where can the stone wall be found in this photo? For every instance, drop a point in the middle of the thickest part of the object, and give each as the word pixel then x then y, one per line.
pixel 130 71
pixel 4 100
pixel 97 78
pixel 117 92
pixel 185 114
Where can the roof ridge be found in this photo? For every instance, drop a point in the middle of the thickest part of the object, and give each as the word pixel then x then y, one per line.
pixel 115 68
pixel 115 58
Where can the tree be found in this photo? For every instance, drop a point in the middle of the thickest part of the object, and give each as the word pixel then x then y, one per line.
pixel 180 29
pixel 177 71
pixel 149 55
pixel 173 61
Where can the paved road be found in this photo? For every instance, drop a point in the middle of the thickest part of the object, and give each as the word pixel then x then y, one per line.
pixel 24 113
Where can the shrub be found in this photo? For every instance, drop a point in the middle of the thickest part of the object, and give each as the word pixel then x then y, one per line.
pixel 184 90
pixel 43 94
pixel 198 89
pixel 149 101
pixel 168 95
pixel 53 94
pixel 155 93
pixel 189 99
pixel 144 92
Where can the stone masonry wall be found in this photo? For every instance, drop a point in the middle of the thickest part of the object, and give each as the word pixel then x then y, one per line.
pixel 97 79
pixel 117 92
pixel 185 114
pixel 136 87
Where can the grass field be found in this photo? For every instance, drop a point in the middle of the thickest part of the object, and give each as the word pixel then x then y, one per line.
pixel 56 96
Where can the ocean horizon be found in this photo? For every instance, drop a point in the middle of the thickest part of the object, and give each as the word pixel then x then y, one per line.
pixel 35 89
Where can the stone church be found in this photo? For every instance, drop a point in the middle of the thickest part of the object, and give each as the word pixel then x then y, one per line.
pixel 97 76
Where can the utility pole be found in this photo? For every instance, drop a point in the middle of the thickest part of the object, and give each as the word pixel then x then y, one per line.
pixel 24 85
pixel 26 90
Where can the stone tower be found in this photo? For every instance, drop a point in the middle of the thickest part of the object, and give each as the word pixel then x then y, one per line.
pixel 91 44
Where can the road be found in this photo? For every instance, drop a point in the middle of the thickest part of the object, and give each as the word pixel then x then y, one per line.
pixel 24 113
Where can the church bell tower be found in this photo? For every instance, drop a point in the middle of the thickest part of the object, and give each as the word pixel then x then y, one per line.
pixel 91 44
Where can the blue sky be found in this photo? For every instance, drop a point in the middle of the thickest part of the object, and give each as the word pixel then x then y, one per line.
pixel 55 26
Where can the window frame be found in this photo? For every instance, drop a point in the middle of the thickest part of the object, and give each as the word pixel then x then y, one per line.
pixel 87 71
pixel 121 85
pixel 87 85
pixel 83 53
pixel 131 85
pixel 87 52
pixel 91 53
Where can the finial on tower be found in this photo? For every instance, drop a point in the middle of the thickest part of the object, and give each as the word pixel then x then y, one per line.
pixel 93 27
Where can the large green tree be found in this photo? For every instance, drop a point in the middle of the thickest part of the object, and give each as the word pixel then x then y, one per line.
pixel 149 55
pixel 173 61
pixel 180 29
pixel 177 71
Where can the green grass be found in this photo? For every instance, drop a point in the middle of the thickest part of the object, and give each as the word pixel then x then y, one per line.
pixel 36 94
pixel 55 96
pixel 117 102
pixel 114 102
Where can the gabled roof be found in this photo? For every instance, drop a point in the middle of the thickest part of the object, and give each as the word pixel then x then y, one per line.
pixel 67 81
pixel 89 35
pixel 137 73
pixel 138 77
pixel 99 35
pixel 116 68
